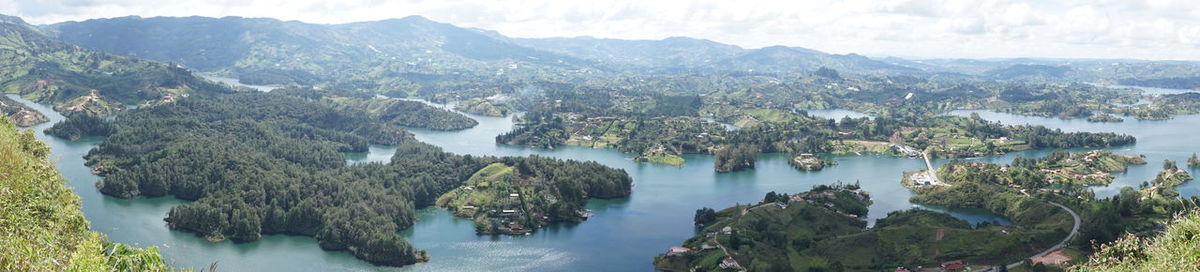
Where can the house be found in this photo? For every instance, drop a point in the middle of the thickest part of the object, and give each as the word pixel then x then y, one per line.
pixel 464 207
pixel 706 246
pixel 902 269
pixel 677 250
pixel 514 226
pixel 727 230
pixel 514 195
pixel 508 211
pixel 953 265
pixel 797 197
pixel 730 263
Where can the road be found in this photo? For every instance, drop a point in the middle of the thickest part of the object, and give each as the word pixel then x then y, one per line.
pixel 932 171
pixel 1074 231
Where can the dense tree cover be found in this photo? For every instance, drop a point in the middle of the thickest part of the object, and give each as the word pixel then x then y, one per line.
pixel 415 114
pixel 484 106
pixel 80 125
pixel 763 235
pixel 735 157
pixel 267 163
pixel 819 233
pixel 1042 137
pixel 537 129
pixel 546 191
pixel 389 110
pixel 704 216
pixel 41 225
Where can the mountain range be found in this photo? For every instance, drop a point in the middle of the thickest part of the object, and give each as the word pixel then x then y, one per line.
pixel 411 54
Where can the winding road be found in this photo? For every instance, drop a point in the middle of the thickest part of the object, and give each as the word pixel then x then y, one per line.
pixel 1074 231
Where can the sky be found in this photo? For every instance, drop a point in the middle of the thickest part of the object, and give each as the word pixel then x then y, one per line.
pixel 1135 29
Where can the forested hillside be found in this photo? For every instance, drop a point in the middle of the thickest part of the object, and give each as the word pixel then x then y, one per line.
pixel 272 163
pixel 74 79
pixel 41 225
pixel 388 110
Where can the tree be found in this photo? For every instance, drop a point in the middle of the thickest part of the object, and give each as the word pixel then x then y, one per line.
pixel 705 216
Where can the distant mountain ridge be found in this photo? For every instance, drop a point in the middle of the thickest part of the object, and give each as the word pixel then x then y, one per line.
pixel 278 51
pixel 413 51
pixel 75 79
pixel 415 44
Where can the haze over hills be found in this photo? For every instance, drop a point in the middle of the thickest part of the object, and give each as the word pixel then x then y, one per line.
pixel 416 44
pixel 396 53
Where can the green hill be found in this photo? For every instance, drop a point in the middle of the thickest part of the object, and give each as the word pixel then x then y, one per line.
pixel 1176 249
pixel 75 79
pixel 41 225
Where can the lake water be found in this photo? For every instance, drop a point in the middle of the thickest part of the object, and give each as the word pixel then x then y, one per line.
pixel 624 234
pixel 234 82
pixel 836 114
pixel 1148 91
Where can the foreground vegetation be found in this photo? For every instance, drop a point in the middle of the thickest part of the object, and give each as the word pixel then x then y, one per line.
pixel 1175 249
pixel 41 225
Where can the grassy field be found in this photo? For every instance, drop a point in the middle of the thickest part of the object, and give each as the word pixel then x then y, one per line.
pixel 860 146
pixel 665 158
pixel 476 191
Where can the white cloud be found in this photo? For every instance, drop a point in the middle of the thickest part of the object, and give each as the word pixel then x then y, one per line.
pixel 1152 29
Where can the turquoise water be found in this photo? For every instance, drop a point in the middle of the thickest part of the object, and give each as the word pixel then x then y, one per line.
pixel 623 235
pixel 234 82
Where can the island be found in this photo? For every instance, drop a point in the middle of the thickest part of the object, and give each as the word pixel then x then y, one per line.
pixel 1163 185
pixel 254 164
pixel 660 128
pixel 524 196
pixel 809 162
pixel 823 230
